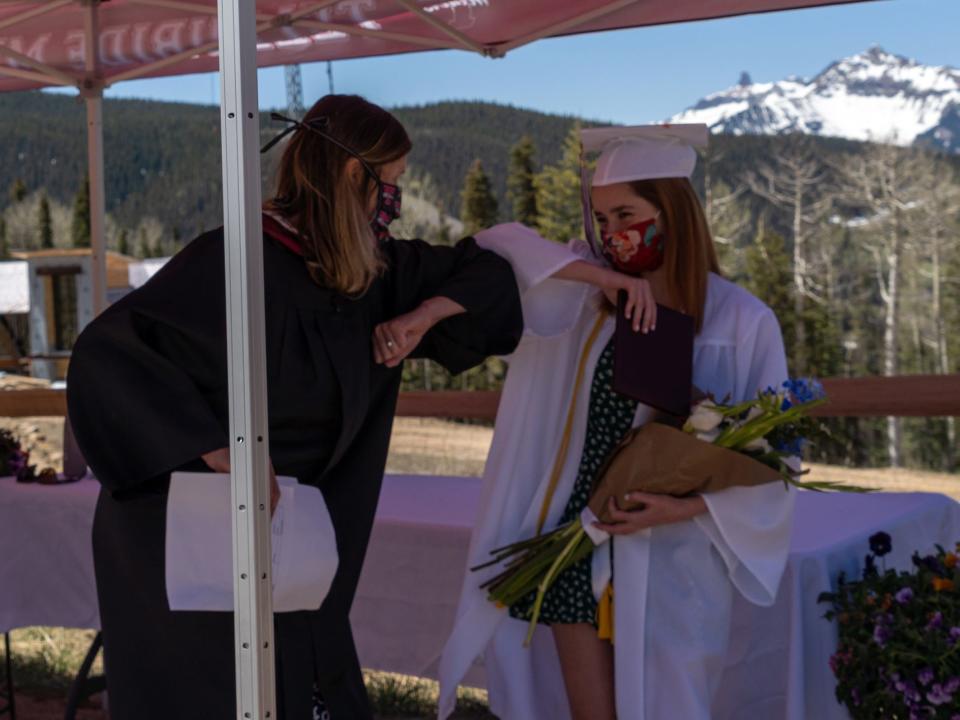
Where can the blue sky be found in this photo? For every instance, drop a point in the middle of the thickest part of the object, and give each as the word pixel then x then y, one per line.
pixel 626 76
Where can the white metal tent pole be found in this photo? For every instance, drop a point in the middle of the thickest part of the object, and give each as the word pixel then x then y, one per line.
pixel 246 359
pixel 93 98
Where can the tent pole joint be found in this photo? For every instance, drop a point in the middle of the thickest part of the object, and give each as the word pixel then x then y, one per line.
pixel 91 88
pixel 282 20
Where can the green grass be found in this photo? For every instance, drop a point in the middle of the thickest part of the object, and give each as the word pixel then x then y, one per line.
pixel 402 696
pixel 45 661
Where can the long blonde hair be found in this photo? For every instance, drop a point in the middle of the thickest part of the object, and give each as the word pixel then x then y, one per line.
pixel 316 194
pixel 689 253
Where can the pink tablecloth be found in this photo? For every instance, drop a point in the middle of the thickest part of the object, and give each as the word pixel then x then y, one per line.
pixel 777 662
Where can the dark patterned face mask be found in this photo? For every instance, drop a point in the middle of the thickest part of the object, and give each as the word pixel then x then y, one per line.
pixel 388 208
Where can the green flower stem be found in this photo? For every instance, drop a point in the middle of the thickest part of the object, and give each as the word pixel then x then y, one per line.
pixel 521 580
pixel 541 544
pixel 528 578
pixel 737 437
pixel 548 579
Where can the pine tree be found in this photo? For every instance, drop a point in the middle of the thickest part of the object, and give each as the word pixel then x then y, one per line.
pixel 477 203
pixel 4 243
pixel 18 191
pixel 123 244
pixel 44 223
pixel 767 267
pixel 158 250
pixel 177 244
pixel 143 249
pixel 520 182
pixel 80 229
pixel 558 194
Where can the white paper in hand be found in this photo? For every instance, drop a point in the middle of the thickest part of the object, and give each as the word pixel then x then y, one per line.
pixel 199 553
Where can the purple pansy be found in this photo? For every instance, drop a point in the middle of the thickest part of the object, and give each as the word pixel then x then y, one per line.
pixel 938 696
pixel 881 633
pixel 904 596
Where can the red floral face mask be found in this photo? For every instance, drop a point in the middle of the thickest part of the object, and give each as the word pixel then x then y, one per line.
pixel 637 249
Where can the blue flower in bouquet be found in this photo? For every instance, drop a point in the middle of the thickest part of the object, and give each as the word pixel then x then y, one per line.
pixel 804 390
pixel 793 446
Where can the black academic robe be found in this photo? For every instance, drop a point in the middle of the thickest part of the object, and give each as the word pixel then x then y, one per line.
pixel 147 394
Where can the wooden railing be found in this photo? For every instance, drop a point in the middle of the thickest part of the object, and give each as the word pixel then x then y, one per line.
pixel 904 396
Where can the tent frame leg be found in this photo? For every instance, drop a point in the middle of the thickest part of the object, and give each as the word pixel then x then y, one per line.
pixel 246 360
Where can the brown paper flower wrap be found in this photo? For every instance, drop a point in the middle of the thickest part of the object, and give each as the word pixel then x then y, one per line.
pixel 662 460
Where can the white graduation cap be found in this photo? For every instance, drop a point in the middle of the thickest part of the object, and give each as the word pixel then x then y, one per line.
pixel 644 152
pixel 638 152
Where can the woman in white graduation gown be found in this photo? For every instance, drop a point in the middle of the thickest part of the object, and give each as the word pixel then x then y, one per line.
pixel 672 567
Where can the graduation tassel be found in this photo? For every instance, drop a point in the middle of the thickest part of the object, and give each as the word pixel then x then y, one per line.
pixel 605 614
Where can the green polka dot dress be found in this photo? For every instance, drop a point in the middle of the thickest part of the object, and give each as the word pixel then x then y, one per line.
pixel 609 418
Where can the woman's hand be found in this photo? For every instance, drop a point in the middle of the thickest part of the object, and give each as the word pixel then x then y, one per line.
pixel 641 308
pixel 219 461
pixel 396 339
pixel 655 510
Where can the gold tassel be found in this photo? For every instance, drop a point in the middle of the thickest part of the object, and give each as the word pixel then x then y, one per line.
pixel 605 614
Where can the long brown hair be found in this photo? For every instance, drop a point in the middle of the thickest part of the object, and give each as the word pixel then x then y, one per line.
pixel 689 254
pixel 318 197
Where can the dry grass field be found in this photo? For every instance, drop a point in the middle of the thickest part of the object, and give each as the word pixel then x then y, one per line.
pixel 441 447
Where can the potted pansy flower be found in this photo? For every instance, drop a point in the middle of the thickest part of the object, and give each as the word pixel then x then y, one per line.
pixel 898 649
pixel 14 460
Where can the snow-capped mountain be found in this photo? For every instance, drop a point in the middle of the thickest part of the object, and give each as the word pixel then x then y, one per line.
pixel 871 96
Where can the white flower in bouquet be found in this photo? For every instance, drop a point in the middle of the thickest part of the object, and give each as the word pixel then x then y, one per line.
pixel 753 413
pixel 709 436
pixel 760 443
pixel 705 418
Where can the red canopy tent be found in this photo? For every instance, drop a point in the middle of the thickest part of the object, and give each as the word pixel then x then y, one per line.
pixel 91 44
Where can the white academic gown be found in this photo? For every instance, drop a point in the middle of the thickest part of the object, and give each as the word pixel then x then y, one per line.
pixel 674 584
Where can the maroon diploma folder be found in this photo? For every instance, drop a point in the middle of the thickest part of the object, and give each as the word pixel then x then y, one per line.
pixel 655 368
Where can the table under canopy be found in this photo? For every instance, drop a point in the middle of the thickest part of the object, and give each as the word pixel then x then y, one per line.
pixel 777 664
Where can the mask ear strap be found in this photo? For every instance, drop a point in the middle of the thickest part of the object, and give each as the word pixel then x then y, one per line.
pixel 586 205
pixel 319 126
pixel 283 133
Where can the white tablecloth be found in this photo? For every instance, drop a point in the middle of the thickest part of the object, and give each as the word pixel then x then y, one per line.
pixel 777 662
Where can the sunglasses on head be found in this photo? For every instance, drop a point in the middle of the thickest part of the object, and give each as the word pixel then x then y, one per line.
pixel 318 125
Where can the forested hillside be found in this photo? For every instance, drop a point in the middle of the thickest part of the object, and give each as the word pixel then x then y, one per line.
pixel 856 246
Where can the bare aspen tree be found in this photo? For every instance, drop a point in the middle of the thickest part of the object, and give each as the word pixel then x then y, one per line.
pixel 938 220
pixel 795 182
pixel 882 182
pixel 725 216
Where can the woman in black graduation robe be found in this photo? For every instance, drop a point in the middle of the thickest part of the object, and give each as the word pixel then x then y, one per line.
pixel 147 395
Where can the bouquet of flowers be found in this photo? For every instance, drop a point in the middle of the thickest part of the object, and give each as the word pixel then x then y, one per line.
pixel 719 446
pixel 898 654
